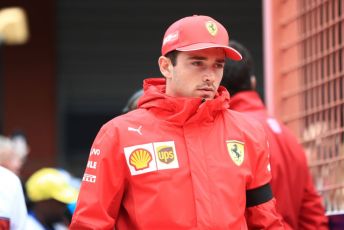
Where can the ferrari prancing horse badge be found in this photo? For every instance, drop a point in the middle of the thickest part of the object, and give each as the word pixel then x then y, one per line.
pixel 236 150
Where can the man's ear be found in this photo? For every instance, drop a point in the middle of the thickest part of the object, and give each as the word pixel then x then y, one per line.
pixel 253 81
pixel 165 66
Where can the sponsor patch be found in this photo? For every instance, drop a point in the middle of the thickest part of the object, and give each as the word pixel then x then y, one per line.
pixel 95 152
pixel 236 151
pixel 171 37
pixel 92 164
pixel 166 155
pixel 211 27
pixel 89 178
pixel 138 130
pixel 151 157
pixel 140 158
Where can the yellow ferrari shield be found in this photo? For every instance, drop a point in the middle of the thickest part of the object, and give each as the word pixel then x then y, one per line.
pixel 236 150
pixel 211 27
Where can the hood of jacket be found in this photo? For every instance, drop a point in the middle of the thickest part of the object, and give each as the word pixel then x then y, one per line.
pixel 179 110
pixel 247 101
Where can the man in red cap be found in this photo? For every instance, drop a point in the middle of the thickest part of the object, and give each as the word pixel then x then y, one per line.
pixel 182 160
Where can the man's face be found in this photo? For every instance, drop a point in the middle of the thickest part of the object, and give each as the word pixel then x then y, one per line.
pixel 196 73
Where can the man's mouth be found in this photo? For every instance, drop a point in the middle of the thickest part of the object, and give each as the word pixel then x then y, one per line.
pixel 206 89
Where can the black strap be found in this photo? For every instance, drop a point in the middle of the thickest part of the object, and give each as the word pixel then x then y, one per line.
pixel 258 195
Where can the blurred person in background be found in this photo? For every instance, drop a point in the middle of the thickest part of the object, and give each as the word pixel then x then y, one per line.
pixel 6 150
pixel 13 213
pixel 21 151
pixel 14 157
pixel 292 185
pixel 74 182
pixel 182 160
pixel 50 193
pixel 132 102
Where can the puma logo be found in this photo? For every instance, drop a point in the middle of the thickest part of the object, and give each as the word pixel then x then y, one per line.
pixel 138 130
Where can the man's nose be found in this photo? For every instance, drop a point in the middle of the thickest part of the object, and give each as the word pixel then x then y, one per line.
pixel 209 75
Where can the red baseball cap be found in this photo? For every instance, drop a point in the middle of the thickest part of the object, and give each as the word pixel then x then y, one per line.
pixel 195 33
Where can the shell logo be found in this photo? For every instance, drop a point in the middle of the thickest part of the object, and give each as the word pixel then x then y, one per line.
pixel 140 159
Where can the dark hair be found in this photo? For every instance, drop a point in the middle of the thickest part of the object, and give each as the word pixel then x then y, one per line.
pixel 132 102
pixel 237 74
pixel 173 56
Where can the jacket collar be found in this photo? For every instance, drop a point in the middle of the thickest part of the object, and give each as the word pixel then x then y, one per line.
pixel 179 110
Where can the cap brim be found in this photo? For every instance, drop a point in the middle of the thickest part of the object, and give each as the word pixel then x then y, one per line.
pixel 67 195
pixel 230 52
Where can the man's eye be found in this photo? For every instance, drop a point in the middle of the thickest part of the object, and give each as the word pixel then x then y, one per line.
pixel 219 65
pixel 197 63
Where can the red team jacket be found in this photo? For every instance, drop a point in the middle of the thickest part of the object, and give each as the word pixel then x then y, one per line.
pixel 297 200
pixel 177 163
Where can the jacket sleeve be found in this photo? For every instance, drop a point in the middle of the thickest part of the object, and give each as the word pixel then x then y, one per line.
pixel 102 186
pixel 264 216
pixel 312 213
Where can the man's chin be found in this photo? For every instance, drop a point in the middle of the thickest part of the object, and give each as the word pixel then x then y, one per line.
pixel 206 95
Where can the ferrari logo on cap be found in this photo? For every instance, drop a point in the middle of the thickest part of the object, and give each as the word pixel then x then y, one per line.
pixel 211 27
pixel 236 150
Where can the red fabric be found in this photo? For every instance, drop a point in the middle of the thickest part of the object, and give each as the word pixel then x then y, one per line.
pixel 264 216
pixel 195 33
pixel 4 224
pixel 297 199
pixel 200 187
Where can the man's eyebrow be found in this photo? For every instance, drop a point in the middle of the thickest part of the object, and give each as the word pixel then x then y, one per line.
pixel 197 58
pixel 220 60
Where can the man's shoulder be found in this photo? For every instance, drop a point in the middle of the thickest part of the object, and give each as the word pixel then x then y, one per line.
pixel 10 187
pixel 8 176
pixel 125 120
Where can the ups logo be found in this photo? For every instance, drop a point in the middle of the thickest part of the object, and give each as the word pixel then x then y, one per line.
pixel 165 154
